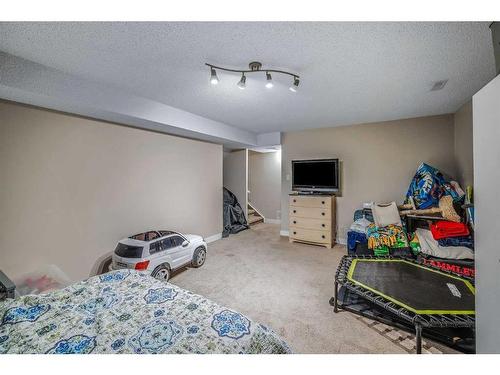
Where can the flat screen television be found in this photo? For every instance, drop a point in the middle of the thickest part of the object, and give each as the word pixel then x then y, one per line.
pixel 316 176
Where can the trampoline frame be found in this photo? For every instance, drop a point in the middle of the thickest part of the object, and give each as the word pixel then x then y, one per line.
pixel 419 320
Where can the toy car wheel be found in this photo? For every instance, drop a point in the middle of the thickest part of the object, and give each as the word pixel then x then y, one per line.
pixel 199 256
pixel 162 272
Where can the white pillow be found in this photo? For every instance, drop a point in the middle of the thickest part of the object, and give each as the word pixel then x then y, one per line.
pixel 429 246
pixel 386 214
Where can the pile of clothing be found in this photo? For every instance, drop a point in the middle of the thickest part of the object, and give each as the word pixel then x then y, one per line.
pixel 380 233
pixel 378 230
pixel 444 239
pixel 357 234
pixel 381 239
pixel 452 234
pixel 387 235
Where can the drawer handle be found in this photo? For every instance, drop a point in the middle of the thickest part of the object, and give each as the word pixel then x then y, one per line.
pixel 294 232
pixel 323 225
pixel 294 200
pixel 322 202
pixel 323 213
pixel 323 236
pixel 294 222
pixel 294 211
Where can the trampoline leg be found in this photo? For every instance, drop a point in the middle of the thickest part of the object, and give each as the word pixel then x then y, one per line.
pixel 418 333
pixel 335 306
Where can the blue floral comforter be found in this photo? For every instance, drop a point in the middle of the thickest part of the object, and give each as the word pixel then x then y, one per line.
pixel 128 312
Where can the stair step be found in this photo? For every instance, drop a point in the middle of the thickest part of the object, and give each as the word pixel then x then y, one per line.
pixel 251 211
pixel 254 219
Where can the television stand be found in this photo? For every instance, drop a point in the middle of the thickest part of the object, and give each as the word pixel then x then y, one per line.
pixel 312 219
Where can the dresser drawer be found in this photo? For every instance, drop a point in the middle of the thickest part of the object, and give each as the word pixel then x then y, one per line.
pixel 310 235
pixel 311 201
pixel 310 212
pixel 307 223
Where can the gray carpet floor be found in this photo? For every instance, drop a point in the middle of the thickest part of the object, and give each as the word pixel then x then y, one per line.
pixel 284 286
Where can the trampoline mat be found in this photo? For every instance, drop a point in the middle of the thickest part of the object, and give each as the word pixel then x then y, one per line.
pixel 417 288
pixel 462 338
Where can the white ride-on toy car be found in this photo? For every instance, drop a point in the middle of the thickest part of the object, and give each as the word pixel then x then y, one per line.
pixel 160 252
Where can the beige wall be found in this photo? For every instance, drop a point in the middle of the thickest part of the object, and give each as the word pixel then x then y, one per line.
pixel 236 176
pixel 463 145
pixel 264 181
pixel 378 160
pixel 72 187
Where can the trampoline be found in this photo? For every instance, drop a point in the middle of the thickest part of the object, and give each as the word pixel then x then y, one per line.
pixel 418 294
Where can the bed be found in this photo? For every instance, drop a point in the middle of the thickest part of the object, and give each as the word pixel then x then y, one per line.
pixel 128 311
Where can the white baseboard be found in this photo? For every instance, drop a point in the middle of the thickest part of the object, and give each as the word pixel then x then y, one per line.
pixel 213 238
pixel 284 233
pixel 341 241
pixel 272 221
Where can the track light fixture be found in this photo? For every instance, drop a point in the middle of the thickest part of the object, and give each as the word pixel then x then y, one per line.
pixel 213 77
pixel 254 67
pixel 242 83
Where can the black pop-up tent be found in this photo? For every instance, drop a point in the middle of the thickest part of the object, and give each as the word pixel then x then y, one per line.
pixel 233 216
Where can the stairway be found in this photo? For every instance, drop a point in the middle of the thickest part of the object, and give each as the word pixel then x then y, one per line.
pixel 253 216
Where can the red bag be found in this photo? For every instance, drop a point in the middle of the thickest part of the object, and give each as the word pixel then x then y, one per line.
pixel 443 229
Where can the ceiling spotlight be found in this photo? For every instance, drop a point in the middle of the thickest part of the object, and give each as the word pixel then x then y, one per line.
pixel 295 85
pixel 213 77
pixel 242 83
pixel 269 83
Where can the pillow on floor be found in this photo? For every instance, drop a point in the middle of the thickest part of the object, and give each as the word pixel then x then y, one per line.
pixel 429 246
pixel 386 214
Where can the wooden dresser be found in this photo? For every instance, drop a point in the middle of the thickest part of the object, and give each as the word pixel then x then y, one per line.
pixel 312 219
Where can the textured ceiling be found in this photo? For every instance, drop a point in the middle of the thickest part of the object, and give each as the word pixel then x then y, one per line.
pixel 350 72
